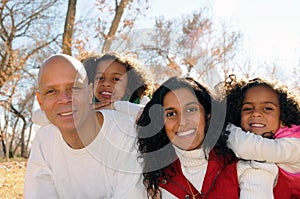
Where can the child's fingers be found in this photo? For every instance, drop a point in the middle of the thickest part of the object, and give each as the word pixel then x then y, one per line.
pixel 102 104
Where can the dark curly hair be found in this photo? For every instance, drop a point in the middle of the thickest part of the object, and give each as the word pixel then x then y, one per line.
pixel 156 149
pixel 137 75
pixel 235 91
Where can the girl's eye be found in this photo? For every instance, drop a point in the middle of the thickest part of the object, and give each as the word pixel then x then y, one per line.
pixel 116 78
pixel 268 108
pixel 98 78
pixel 246 108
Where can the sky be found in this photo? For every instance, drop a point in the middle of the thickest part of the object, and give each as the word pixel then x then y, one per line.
pixel 270 27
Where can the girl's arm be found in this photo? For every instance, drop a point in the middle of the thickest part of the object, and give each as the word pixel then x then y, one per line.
pixel 128 108
pixel 284 151
pixel 256 180
pixel 39 117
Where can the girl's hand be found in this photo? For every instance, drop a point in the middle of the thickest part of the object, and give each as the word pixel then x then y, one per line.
pixel 104 104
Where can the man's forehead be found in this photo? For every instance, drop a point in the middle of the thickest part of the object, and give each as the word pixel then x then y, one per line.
pixel 64 62
pixel 63 65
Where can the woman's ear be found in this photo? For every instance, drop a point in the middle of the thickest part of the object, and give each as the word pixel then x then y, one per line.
pixel 282 124
pixel 208 116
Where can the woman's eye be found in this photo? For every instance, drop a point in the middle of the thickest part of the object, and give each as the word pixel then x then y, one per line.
pixel 191 109
pixel 170 114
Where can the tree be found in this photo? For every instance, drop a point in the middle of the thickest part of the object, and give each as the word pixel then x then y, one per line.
pixel 97 30
pixel 24 32
pixel 68 30
pixel 17 104
pixel 29 31
pixel 190 46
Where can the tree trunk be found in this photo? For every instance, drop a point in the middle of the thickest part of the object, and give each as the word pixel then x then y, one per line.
pixel 68 30
pixel 114 25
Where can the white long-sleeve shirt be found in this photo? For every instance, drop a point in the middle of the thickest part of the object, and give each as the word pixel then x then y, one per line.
pixel 284 151
pixel 107 168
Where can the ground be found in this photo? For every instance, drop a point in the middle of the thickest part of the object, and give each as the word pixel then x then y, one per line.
pixel 12 178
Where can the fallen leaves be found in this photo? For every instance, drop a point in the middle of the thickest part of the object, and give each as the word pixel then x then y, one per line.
pixel 12 175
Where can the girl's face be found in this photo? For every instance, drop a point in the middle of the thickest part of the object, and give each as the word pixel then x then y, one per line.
pixel 110 81
pixel 260 111
pixel 184 119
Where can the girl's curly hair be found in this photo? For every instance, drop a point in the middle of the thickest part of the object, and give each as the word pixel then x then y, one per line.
pixel 235 91
pixel 140 82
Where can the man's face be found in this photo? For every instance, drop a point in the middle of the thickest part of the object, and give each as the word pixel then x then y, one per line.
pixel 63 95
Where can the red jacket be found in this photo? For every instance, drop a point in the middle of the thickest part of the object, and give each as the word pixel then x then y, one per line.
pixel 293 179
pixel 220 181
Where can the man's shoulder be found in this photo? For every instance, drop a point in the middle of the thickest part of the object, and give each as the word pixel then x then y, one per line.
pixel 119 124
pixel 116 117
pixel 47 131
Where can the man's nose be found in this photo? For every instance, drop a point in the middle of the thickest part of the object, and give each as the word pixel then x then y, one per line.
pixel 65 96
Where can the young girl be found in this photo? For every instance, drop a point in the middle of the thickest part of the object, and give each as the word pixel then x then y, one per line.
pixel 118 77
pixel 175 138
pixel 267 110
pixel 115 77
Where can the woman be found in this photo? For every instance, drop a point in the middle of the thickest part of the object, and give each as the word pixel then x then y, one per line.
pixel 175 141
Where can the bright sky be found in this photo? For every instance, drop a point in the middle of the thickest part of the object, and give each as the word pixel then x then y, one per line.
pixel 270 27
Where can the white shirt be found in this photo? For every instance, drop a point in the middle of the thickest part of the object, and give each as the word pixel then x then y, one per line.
pixel 106 168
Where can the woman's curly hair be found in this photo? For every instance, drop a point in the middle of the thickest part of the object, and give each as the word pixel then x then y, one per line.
pixel 235 91
pixel 140 82
pixel 156 149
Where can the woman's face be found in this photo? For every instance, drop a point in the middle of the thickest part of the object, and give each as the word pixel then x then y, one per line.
pixel 184 119
pixel 110 81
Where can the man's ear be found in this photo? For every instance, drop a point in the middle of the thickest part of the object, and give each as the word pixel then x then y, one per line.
pixel 91 93
pixel 38 97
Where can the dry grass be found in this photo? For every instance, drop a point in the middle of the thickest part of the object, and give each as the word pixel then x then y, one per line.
pixel 12 178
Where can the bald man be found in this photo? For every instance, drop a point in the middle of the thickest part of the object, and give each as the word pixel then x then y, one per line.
pixel 82 153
